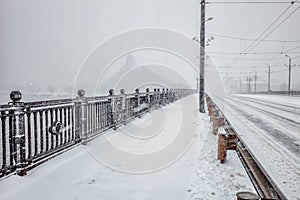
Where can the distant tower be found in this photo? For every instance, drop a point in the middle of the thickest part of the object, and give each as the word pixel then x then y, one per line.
pixel 129 64
pixel 130 61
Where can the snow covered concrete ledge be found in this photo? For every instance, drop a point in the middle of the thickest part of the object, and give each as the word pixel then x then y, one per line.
pixel 167 154
pixel 214 180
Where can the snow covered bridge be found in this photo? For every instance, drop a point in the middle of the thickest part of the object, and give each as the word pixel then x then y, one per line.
pixel 168 153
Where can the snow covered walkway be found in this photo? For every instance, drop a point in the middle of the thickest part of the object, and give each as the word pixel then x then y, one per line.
pixel 167 154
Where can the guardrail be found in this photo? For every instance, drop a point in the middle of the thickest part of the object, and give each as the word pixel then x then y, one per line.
pixel 33 132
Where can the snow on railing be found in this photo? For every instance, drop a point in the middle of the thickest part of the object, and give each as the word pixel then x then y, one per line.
pixel 33 132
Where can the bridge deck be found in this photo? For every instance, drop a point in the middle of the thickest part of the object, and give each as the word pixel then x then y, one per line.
pixel 166 154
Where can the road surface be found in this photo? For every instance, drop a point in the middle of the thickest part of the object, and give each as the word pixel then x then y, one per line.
pixel 270 127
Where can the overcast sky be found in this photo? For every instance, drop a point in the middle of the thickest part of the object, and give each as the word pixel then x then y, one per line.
pixel 44 42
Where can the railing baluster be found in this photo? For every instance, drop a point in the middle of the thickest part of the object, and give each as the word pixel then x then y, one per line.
pixel 29 135
pixel 35 133
pixel 56 119
pixel 61 120
pixel 47 129
pixel 70 125
pixel 3 128
pixel 65 124
pixel 41 131
pixel 52 136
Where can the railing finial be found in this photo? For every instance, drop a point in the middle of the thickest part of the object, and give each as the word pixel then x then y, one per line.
pixel 15 96
pixel 122 91
pixel 111 92
pixel 81 92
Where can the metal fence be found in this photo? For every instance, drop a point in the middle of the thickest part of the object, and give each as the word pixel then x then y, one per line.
pixel 33 132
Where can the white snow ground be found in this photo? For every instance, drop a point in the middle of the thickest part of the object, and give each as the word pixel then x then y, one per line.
pixel 82 173
pixel 269 126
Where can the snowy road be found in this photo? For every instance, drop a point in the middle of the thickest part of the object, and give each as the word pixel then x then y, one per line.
pixel 270 127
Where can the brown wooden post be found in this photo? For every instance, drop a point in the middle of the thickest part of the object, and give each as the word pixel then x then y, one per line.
pixel 221 144
pixel 247 196
pixel 215 121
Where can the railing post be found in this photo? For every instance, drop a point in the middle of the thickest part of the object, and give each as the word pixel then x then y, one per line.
pixel 154 97
pixel 163 97
pixel 171 95
pixel 148 97
pixel 18 131
pixel 167 96
pixel 112 109
pixel 81 117
pixel 124 107
pixel 159 97
pixel 137 96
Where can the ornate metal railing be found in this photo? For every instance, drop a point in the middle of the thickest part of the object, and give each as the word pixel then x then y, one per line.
pixel 33 132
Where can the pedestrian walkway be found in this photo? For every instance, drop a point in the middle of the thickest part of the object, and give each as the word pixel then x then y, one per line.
pixel 166 154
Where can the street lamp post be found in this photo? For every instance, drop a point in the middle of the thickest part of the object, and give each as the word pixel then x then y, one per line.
pixel 290 69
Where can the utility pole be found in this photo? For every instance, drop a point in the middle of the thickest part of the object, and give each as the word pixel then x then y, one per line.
pixel 269 77
pixel 255 79
pixel 290 69
pixel 240 85
pixel 249 84
pixel 202 57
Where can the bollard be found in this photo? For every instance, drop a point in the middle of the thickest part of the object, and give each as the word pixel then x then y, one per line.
pixel 247 196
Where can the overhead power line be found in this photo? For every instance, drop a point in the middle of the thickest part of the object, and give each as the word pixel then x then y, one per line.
pixel 250 47
pixel 275 27
pixel 231 58
pixel 248 39
pixel 292 49
pixel 254 53
pixel 252 2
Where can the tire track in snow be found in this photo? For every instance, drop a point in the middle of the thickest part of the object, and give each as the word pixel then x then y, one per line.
pixel 286 108
pixel 271 114
pixel 290 143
